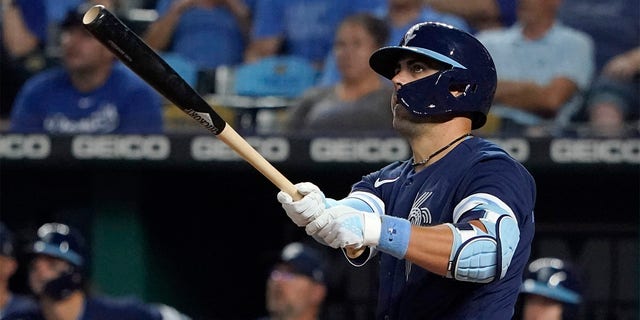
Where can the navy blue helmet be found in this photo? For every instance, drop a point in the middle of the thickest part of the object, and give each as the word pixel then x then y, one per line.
pixel 60 241
pixel 552 278
pixel 470 69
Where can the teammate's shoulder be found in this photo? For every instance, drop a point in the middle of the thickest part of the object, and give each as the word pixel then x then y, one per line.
pixel 24 314
pixel 123 301
pixel 128 307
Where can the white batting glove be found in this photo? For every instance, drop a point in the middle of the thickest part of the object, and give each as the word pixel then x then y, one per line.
pixel 342 226
pixel 305 210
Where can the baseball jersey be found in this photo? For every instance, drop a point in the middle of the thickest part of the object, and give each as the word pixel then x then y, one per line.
pixel 428 197
pixel 102 308
pixel 17 303
pixel 125 104
pixel 308 26
pixel 208 37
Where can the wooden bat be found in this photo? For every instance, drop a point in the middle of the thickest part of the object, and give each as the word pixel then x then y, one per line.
pixel 127 46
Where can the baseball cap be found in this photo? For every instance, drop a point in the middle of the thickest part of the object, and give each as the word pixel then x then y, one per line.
pixel 553 278
pixel 303 260
pixel 6 241
pixel 74 16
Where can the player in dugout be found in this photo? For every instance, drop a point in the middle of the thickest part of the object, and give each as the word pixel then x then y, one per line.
pixel 58 277
pixel 452 226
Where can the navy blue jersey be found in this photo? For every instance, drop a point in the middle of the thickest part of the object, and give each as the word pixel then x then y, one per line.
pixel 18 303
pixel 428 197
pixel 102 308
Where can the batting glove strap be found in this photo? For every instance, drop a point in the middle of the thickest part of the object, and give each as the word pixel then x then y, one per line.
pixel 394 236
pixel 371 229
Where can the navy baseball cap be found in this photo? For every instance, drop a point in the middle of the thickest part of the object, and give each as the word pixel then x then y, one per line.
pixel 6 241
pixel 553 278
pixel 74 16
pixel 304 260
pixel 60 241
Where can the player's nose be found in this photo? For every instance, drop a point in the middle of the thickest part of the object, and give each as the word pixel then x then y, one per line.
pixel 399 80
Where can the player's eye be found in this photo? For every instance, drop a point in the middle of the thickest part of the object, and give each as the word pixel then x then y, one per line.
pixel 417 67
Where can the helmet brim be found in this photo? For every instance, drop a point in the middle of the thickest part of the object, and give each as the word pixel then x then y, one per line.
pixel 41 247
pixel 557 293
pixel 385 59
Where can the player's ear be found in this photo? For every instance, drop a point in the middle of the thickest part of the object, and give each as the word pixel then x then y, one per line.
pixel 9 267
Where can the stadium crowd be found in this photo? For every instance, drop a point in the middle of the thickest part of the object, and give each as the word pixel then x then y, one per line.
pixel 585 88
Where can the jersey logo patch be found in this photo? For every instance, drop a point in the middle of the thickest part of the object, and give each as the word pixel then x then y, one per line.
pixel 379 182
pixel 418 216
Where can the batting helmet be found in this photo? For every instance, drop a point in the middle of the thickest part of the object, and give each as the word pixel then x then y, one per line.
pixel 552 278
pixel 63 242
pixel 470 69
pixel 60 241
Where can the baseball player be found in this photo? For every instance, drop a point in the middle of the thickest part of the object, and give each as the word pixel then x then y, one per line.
pixel 296 287
pixel 451 226
pixel 551 290
pixel 57 276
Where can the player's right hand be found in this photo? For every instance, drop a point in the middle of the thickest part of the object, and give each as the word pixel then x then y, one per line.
pixel 305 210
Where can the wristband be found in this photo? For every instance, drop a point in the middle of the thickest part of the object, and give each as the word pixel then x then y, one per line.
pixel 394 236
pixel 371 229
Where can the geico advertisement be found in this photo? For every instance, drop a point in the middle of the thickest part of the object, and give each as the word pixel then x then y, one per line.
pixel 280 149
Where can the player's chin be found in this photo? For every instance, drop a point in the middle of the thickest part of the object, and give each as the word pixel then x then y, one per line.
pixel 401 112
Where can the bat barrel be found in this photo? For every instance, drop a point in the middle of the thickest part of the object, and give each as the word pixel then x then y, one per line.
pixel 147 64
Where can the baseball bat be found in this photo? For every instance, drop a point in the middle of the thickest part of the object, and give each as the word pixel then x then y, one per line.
pixel 129 48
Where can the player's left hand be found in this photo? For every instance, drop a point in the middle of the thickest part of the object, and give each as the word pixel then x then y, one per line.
pixel 341 226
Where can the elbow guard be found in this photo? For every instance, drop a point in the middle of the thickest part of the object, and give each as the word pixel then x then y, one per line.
pixel 479 256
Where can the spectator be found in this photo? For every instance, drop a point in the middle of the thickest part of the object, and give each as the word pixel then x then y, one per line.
pixel 90 93
pixel 614 25
pixel 551 290
pixel 24 38
pixel 58 277
pixel 56 13
pixel 299 27
pixel 9 301
pixel 480 14
pixel 543 70
pixel 400 15
pixel 296 288
pixel 612 104
pixel 57 10
pixel 359 102
pixel 205 34
pixel 613 101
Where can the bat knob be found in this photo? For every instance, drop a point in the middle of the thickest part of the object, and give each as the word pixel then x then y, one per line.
pixel 354 253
